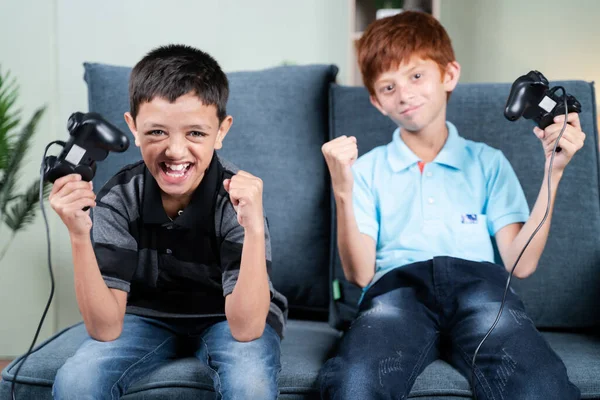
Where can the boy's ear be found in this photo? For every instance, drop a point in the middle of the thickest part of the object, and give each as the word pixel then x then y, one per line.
pixel 223 129
pixel 377 105
pixel 131 124
pixel 451 76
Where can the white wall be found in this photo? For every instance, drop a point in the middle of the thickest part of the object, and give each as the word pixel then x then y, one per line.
pixel 499 40
pixel 50 40
pixel 27 45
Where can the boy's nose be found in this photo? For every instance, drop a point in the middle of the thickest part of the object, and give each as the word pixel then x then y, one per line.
pixel 404 95
pixel 176 148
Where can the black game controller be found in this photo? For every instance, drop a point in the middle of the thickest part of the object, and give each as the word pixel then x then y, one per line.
pixel 91 138
pixel 531 97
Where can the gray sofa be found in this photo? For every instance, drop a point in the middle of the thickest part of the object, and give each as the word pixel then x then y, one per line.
pixel 282 116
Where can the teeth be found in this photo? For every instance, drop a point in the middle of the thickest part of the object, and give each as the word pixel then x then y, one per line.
pixel 177 167
pixel 176 175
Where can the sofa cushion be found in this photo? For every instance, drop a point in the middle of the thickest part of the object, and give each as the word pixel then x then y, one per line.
pixel 564 291
pixel 303 352
pixel 280 123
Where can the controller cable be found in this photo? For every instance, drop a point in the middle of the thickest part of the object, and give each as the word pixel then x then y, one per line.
pixel 554 151
pixel 37 332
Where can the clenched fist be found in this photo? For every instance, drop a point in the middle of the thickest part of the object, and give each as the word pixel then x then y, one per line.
pixel 340 154
pixel 245 192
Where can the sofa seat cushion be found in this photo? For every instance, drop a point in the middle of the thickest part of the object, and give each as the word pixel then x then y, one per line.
pixel 305 349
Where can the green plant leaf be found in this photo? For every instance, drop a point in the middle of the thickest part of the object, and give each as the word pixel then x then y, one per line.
pixel 16 209
pixel 15 158
pixel 22 210
pixel 9 118
pixel 379 4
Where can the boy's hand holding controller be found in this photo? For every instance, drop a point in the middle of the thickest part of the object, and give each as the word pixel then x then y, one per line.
pixel 245 191
pixel 570 142
pixel 69 195
pixel 532 98
pixel 340 154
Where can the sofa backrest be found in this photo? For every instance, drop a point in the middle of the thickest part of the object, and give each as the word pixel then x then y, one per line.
pixel 565 290
pixel 280 123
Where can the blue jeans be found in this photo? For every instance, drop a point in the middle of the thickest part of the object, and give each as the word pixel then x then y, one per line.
pixel 442 308
pixel 104 370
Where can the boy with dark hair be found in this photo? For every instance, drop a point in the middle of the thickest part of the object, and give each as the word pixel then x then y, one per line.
pixel 180 255
pixel 414 222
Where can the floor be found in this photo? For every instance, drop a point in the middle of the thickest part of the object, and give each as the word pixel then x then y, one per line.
pixel 3 363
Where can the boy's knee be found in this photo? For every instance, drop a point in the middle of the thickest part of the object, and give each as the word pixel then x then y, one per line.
pixel 262 354
pixel 251 382
pixel 253 376
pixel 547 379
pixel 340 379
pixel 76 380
pixel 550 383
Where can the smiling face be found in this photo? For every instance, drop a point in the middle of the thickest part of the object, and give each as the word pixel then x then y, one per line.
pixel 177 141
pixel 414 95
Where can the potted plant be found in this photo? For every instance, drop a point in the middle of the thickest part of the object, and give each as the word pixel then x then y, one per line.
pixel 17 207
pixel 387 8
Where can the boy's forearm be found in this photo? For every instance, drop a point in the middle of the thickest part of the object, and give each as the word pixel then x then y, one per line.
pixel 97 304
pixel 358 263
pixel 530 259
pixel 247 306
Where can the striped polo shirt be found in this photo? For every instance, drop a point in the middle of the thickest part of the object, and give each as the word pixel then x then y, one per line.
pixel 180 268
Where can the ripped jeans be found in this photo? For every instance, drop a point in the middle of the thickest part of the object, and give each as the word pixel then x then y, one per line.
pixel 442 308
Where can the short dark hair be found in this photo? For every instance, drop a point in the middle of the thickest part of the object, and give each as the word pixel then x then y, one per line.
pixel 174 70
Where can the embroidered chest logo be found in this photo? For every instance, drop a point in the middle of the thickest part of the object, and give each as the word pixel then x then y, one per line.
pixel 468 218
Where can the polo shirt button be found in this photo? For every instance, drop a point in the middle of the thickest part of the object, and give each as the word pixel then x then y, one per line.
pixel 169 227
pixel 431 200
pixel 168 251
pixel 429 174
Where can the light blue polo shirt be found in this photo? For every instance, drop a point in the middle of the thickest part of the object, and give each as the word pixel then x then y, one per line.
pixel 462 198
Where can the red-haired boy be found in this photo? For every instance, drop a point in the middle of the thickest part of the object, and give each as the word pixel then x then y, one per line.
pixel 415 220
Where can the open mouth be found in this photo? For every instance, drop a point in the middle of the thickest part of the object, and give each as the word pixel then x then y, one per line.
pixel 175 172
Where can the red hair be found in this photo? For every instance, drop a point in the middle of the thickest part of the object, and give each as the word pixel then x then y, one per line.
pixel 389 41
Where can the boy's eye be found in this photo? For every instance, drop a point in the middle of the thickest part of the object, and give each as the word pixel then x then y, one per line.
pixel 417 76
pixel 198 134
pixel 387 88
pixel 156 132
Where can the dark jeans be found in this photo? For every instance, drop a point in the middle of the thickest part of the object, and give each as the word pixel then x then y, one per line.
pixel 104 370
pixel 442 308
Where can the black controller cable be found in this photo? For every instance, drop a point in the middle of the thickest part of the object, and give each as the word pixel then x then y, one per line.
pixel 554 151
pixel 37 332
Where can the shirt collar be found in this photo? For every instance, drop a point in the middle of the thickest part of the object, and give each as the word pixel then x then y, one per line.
pixel 453 152
pixel 198 213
